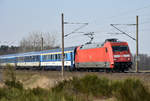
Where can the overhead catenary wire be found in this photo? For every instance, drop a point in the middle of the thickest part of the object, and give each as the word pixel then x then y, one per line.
pixel 125 14
pixel 122 32
pixel 104 28
pixel 128 12
pixel 77 29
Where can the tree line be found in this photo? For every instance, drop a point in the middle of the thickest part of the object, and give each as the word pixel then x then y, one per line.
pixel 35 41
pixel 144 62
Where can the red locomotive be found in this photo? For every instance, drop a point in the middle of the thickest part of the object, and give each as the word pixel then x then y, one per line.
pixel 111 55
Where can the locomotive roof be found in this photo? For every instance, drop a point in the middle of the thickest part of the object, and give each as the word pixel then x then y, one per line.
pixel 58 50
pixel 98 45
pixel 93 45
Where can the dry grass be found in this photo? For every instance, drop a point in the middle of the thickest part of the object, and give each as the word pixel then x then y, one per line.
pixel 50 78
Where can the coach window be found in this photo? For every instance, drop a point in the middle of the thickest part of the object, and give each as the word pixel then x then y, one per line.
pixel 43 57
pixel 55 56
pixel 32 58
pixel 37 58
pixel 25 59
pixel 52 57
pixel 65 56
pixel 47 57
pixel 59 56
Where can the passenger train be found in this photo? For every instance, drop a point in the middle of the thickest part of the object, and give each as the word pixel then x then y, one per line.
pixel 111 55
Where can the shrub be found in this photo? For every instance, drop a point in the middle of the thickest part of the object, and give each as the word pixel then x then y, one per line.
pixel 9 73
pixel 14 84
pixel 78 89
pixel 132 90
pixel 91 84
pixel 39 91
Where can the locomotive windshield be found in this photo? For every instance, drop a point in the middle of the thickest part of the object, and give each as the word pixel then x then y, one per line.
pixel 119 48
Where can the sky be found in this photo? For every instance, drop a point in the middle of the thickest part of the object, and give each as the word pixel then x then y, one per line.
pixel 18 18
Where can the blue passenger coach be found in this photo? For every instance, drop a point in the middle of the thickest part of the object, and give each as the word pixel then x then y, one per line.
pixel 28 60
pixel 51 59
pixel 48 59
pixel 8 59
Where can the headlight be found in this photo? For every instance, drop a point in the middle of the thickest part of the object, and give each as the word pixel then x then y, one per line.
pixel 116 56
pixel 126 55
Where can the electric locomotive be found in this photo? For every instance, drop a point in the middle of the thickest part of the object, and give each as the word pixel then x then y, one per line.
pixel 111 55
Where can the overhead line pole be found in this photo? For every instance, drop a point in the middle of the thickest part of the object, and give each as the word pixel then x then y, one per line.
pixel 63 23
pixel 62 69
pixel 137 44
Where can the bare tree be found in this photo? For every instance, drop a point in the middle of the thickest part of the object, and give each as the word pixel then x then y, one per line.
pixel 144 62
pixel 36 40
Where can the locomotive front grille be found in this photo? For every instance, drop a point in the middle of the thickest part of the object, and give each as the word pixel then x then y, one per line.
pixel 123 64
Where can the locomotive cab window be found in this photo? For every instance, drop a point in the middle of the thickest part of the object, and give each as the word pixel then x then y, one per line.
pixel 119 48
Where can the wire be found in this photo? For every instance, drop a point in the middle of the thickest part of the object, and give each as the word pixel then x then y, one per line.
pixel 128 12
pixel 142 8
pixel 123 32
pixel 75 31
